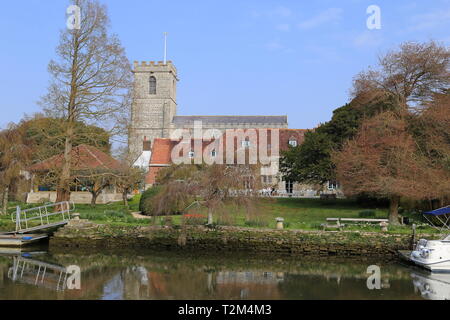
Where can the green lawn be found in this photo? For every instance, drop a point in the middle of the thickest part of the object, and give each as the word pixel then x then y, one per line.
pixel 304 214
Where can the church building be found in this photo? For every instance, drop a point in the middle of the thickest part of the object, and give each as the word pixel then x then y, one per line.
pixel 155 119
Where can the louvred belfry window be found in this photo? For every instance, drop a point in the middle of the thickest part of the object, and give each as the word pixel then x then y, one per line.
pixel 152 85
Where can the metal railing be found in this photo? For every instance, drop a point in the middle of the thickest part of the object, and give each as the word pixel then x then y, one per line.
pixel 42 214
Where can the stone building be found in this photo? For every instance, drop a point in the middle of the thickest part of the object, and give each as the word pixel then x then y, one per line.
pixel 155 122
pixel 154 111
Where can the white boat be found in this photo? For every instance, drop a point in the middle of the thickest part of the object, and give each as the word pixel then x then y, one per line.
pixel 434 255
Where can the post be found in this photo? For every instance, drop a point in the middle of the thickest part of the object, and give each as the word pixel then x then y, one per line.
pixel 413 238
pixel 17 218
pixel 280 225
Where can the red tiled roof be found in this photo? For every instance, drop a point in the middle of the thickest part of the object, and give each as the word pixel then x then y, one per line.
pixel 84 157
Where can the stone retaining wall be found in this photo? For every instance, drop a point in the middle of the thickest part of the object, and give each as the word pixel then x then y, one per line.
pixel 84 234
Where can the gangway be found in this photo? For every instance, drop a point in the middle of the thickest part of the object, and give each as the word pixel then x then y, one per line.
pixel 25 220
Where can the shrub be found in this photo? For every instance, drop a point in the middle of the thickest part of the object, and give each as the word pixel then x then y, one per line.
pixel 367 214
pixel 194 219
pixel 145 204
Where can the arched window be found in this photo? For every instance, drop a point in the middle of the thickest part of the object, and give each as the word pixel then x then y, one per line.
pixel 152 85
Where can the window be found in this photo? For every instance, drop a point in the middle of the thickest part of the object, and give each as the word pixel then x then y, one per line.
pixel 213 153
pixel 293 143
pixel 289 186
pixel 191 154
pixel 267 179
pixel 246 143
pixel 152 85
pixel 333 185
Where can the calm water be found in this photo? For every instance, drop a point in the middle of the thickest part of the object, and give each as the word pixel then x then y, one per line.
pixel 141 275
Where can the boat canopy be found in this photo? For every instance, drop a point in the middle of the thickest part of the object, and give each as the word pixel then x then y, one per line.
pixel 439 212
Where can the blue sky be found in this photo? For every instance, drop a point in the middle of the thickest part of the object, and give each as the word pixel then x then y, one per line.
pixel 233 57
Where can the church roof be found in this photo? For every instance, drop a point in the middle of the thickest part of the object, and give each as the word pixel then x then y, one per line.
pixel 188 120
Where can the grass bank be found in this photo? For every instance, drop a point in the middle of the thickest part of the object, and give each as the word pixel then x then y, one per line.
pixel 298 214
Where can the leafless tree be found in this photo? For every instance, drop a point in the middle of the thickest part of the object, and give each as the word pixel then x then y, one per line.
pixel 90 80
pixel 413 73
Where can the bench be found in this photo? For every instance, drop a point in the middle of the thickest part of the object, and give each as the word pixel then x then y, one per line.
pixel 339 225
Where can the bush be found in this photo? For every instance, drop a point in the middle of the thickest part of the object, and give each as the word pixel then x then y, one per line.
pixel 145 204
pixel 367 214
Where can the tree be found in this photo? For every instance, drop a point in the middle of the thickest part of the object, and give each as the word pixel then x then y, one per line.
pixel 212 185
pixel 311 162
pixel 91 80
pixel 14 156
pixel 431 131
pixel 128 179
pixel 413 74
pixel 383 160
pixel 47 135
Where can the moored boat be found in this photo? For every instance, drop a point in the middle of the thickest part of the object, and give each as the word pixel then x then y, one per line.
pixel 434 255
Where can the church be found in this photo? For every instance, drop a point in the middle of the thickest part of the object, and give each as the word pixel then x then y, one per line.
pixel 154 110
pixel 155 119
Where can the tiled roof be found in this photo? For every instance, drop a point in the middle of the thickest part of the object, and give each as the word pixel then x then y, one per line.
pixel 84 157
pixel 187 120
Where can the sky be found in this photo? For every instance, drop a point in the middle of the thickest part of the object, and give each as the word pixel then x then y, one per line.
pixel 247 57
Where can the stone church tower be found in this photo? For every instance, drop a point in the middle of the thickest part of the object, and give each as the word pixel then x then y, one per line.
pixel 154 104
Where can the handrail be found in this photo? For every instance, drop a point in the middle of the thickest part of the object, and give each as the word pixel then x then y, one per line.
pixel 65 207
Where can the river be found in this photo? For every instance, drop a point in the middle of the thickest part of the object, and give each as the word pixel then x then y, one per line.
pixel 141 275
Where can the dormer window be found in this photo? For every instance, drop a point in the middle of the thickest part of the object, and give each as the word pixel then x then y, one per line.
pixel 152 85
pixel 293 143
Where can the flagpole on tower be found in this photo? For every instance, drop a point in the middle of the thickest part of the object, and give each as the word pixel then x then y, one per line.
pixel 165 47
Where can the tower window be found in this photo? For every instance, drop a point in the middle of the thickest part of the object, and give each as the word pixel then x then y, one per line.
pixel 152 85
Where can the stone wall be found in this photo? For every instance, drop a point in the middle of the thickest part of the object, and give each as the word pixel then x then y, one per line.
pixel 76 197
pixel 286 242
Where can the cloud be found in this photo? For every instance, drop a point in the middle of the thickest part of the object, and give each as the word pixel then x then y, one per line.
pixel 277 12
pixel 282 11
pixel 283 27
pixel 367 39
pixel 274 45
pixel 329 15
pixel 430 20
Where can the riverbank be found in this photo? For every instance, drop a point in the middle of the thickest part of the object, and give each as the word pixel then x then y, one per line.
pixel 85 234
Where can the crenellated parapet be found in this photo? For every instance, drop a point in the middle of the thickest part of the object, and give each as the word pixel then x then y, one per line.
pixel 154 66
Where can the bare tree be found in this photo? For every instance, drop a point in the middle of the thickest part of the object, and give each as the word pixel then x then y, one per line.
pixel 14 156
pixel 413 73
pixel 90 80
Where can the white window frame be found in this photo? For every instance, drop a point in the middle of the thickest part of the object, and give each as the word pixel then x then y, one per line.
pixel 293 143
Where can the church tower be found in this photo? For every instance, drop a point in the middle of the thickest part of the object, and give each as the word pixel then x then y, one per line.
pixel 154 104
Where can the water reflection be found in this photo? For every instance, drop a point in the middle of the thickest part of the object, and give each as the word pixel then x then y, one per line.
pixel 39 273
pixel 432 286
pixel 142 275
